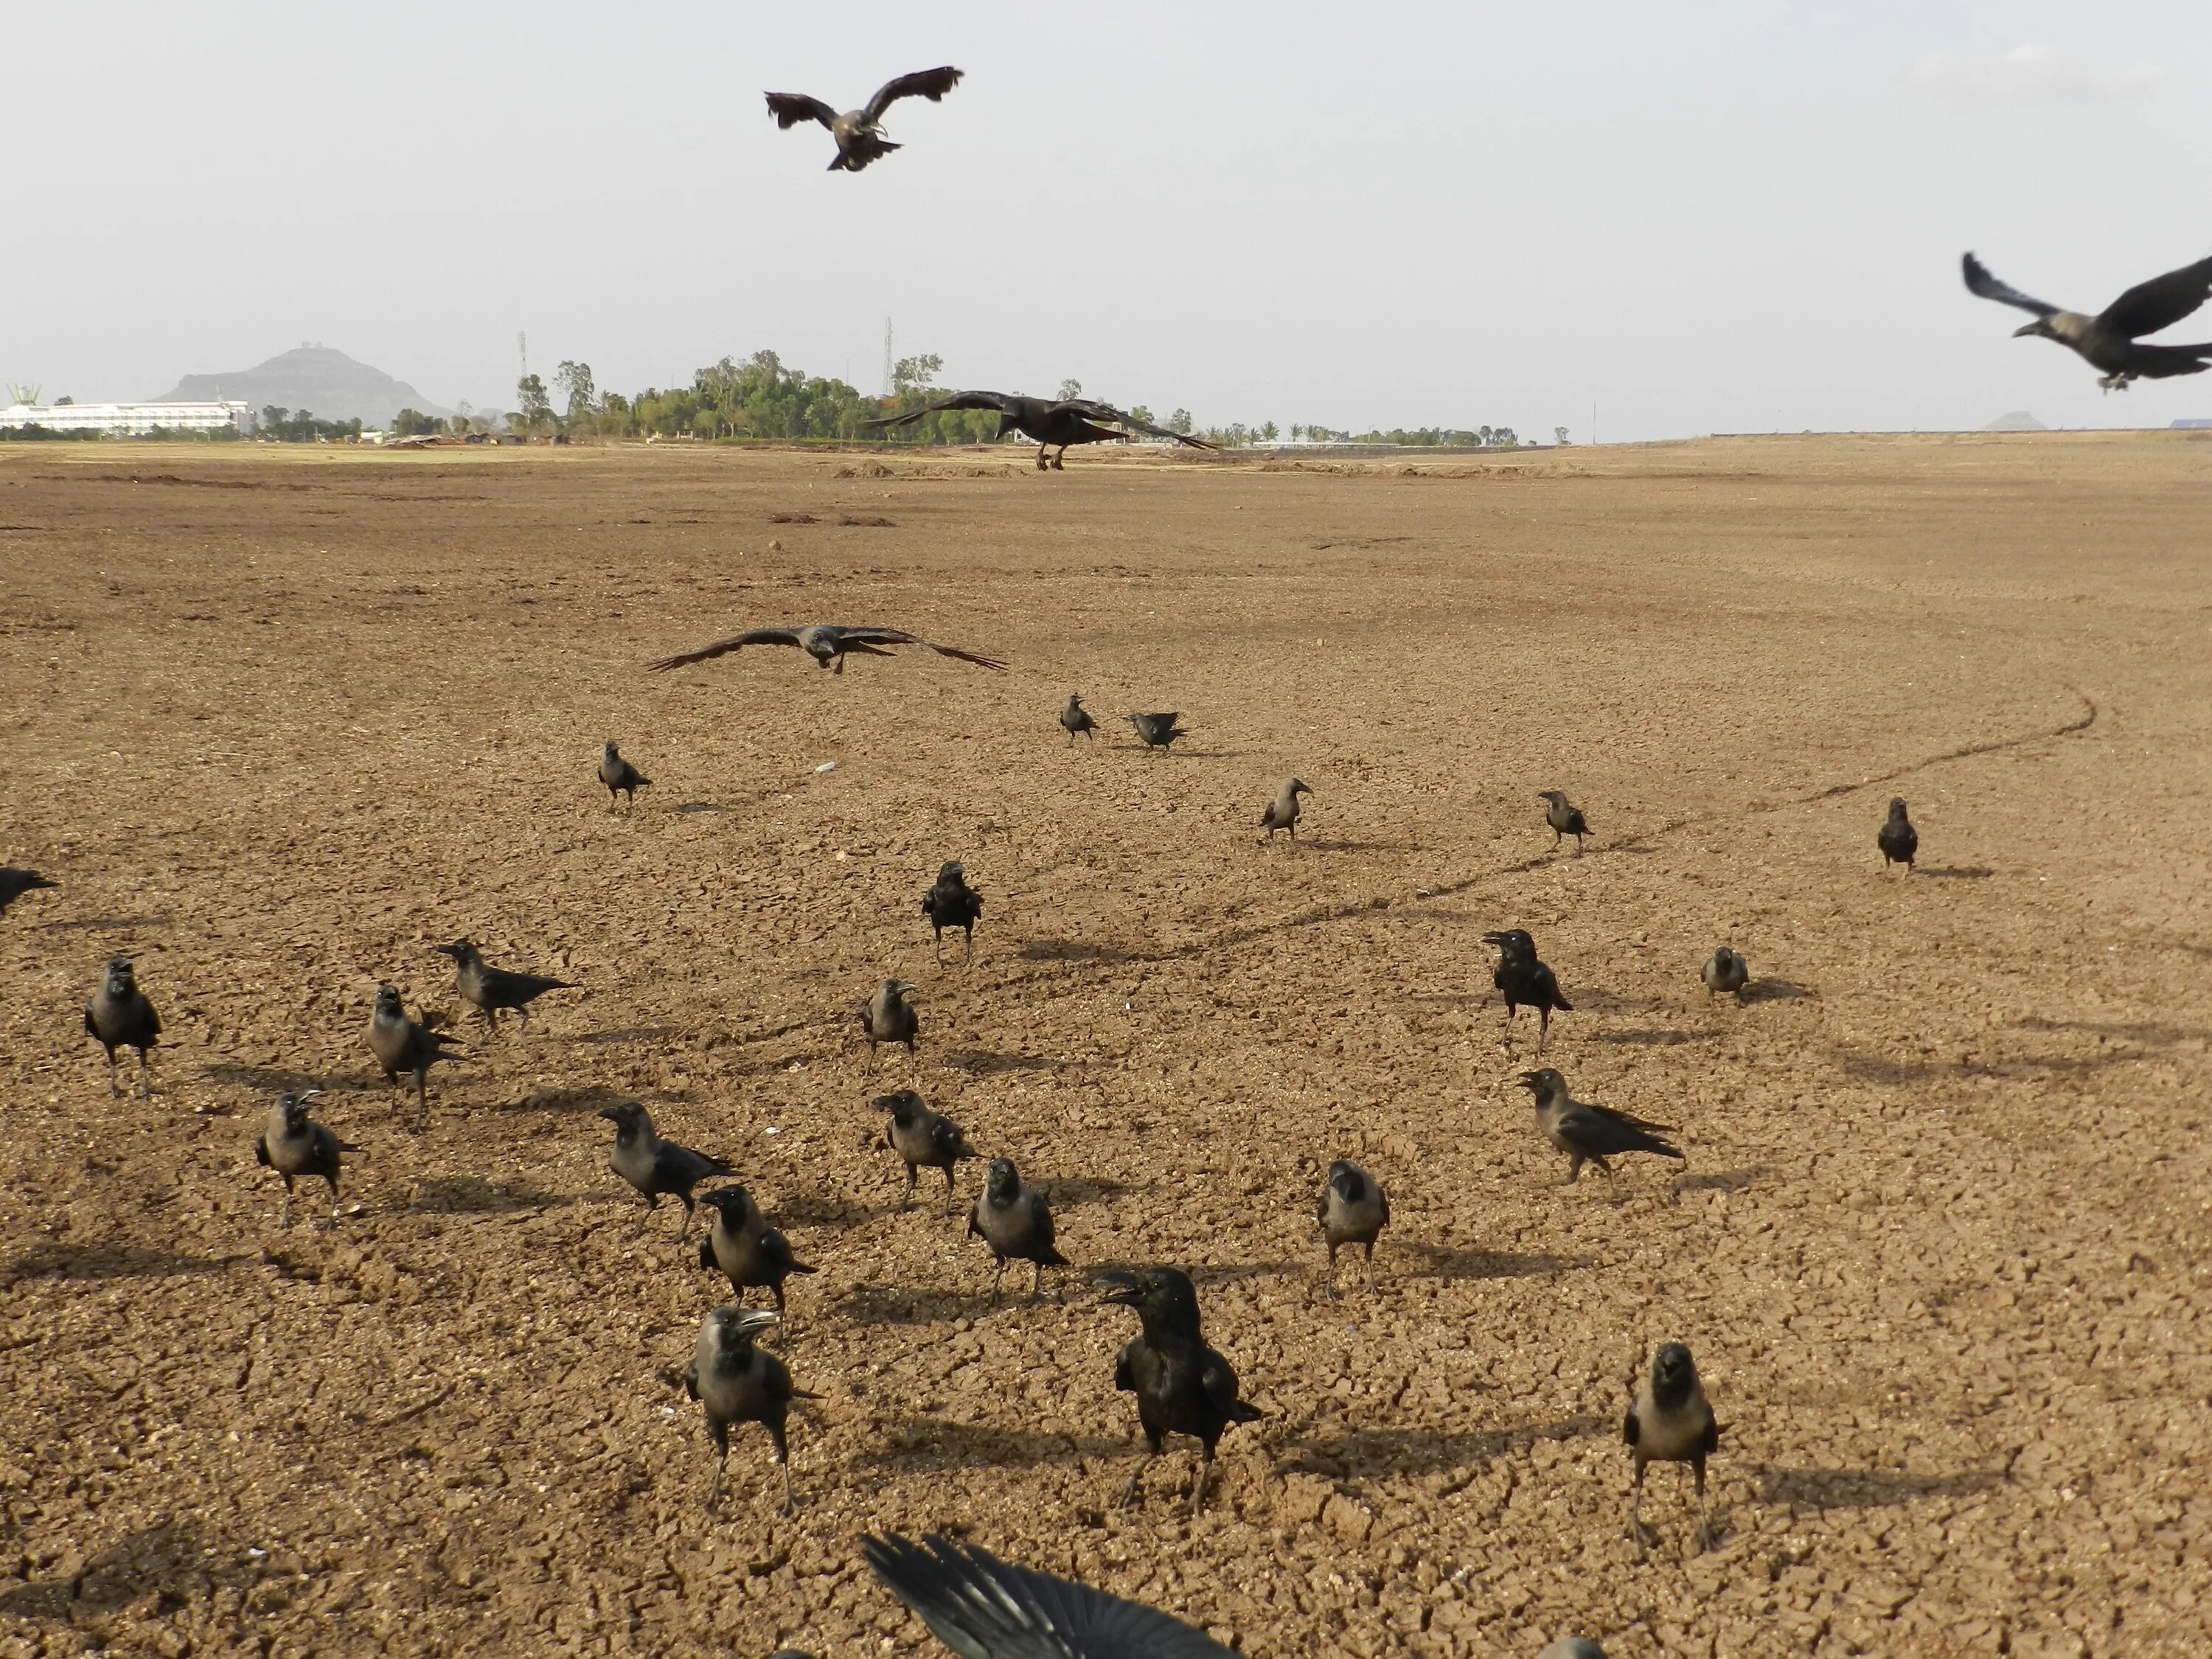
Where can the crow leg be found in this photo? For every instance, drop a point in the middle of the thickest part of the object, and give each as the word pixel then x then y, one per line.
pixel 1037 1279
pixel 145 1076
pixel 1543 1029
pixel 1636 1529
pixel 948 1189
pixel 721 1458
pixel 652 1203
pixel 779 1451
pixel 937 944
pixel 1370 1247
pixel 421 1098
pixel 523 1014
pixel 284 1210
pixel 970 932
pixel 1332 1272
pixel 998 1278
pixel 1059 461
pixel 1705 1515
pixel 906 1198
pixel 1041 460
pixel 1574 1167
pixel 684 1231
pixel 1136 1478
pixel 1205 1473
pixel 114 1088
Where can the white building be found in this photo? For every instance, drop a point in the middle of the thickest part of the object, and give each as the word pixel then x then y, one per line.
pixel 128 417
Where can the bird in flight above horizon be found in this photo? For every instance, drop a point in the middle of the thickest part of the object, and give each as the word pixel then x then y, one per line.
pixel 1067 422
pixel 2109 339
pixel 859 132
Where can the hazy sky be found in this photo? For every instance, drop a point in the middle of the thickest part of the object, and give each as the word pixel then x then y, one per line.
pixel 1701 217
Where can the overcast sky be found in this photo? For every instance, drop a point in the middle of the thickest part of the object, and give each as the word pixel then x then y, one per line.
pixel 1700 218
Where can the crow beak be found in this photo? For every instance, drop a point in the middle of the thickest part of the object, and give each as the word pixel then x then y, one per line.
pixel 2032 328
pixel 609 1114
pixel 1129 1296
pixel 1528 1079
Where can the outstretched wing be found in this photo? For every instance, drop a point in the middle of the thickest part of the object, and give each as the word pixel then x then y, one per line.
pixel 790 108
pixel 2157 363
pixel 1981 284
pixel 899 636
pixel 723 648
pixel 2160 302
pixel 982 1608
pixel 998 400
pixel 1595 1133
pixel 1108 413
pixel 932 84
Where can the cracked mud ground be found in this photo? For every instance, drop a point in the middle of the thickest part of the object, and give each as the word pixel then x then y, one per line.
pixel 279 724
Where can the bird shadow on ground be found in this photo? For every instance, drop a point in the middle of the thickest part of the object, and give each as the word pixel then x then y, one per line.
pixel 629 1034
pixel 1861 1489
pixel 168 1558
pixel 103 924
pixel 935 1443
pixel 1380 1452
pixel 1652 1037
pixel 1074 1192
pixel 698 806
pixel 81 1262
pixel 581 1097
pixel 1069 950
pixel 812 1210
pixel 276 1079
pixel 1588 999
pixel 473 1195
pixel 1313 845
pixel 1449 1261
pixel 1957 872
pixel 1776 990
pixel 885 1305
pixel 984 1062
pixel 1720 1180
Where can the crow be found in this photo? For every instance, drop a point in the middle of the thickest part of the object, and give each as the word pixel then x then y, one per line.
pixel 1157 730
pixel 119 1016
pixel 401 1044
pixel 14 882
pixel 654 1166
pixel 2108 340
pixel 1726 973
pixel 1014 1224
pixel 951 903
pixel 737 1382
pixel 1074 718
pixel 748 1251
pixel 620 777
pixel 1669 1422
pixel 923 1139
pixel 1068 422
pixel 1899 841
pixel 296 1145
pixel 888 1017
pixel 1525 981
pixel 488 989
pixel 1352 1211
pixel 828 643
pixel 982 1608
pixel 1564 817
pixel 1282 812
pixel 1587 1134
pixel 1182 1386
pixel 859 132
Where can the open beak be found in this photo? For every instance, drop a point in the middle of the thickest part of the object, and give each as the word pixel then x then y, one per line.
pixel 2030 328
pixel 1526 1080
pixel 1128 1297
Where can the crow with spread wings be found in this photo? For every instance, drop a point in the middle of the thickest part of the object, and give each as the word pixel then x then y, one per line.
pixel 826 642
pixel 2108 340
pixel 1073 420
pixel 859 132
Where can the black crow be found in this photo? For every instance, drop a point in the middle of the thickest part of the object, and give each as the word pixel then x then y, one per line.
pixel 1669 1422
pixel 1352 1211
pixel 951 903
pixel 404 1045
pixel 295 1146
pixel 1587 1134
pixel 1157 730
pixel 737 1382
pixel 859 132
pixel 1045 422
pixel 1282 812
pixel 1899 841
pixel 1074 718
pixel 488 989
pixel 1726 973
pixel 744 1248
pixel 119 1016
pixel 923 1139
pixel 889 1017
pixel 1525 982
pixel 826 642
pixel 1564 817
pixel 620 777
pixel 1182 1386
pixel 1014 1224
pixel 2108 340
pixel 654 1166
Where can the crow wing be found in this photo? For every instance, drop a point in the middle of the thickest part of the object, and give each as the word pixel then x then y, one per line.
pixel 1981 284
pixel 723 648
pixel 1595 1133
pixel 2160 302
pixel 998 400
pixel 932 84
pixel 790 108
pixel 982 1608
pixel 1107 412
pixel 896 637
pixel 2159 362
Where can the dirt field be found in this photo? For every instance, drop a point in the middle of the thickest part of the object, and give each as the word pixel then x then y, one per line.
pixel 280 723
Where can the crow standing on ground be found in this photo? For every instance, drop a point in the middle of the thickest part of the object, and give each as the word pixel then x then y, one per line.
pixel 1899 841
pixel 748 1251
pixel 1068 422
pixel 404 1045
pixel 14 882
pixel 620 777
pixel 923 1139
pixel 1074 718
pixel 296 1146
pixel 1726 973
pixel 488 989
pixel 1564 817
pixel 826 642
pixel 888 1017
pixel 982 1608
pixel 859 132
pixel 737 1382
pixel 951 903
pixel 654 1166
pixel 1015 1224
pixel 2108 340
pixel 1157 730
pixel 1525 982
pixel 1669 1422
pixel 1282 812
pixel 1587 1134
pixel 1352 1211
pixel 119 1016
pixel 1182 1386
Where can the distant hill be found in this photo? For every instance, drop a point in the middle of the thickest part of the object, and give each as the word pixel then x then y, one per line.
pixel 328 384
pixel 2019 421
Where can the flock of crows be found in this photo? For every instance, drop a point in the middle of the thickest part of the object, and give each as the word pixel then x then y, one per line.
pixel 978 1605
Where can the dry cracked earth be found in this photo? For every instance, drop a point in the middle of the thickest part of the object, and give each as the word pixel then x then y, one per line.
pixel 279 723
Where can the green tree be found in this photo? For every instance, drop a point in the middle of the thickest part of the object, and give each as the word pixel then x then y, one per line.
pixel 917 374
pixel 1070 390
pixel 573 382
pixel 408 422
pixel 1180 423
pixel 534 410
pixel 1141 413
pixel 1268 432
